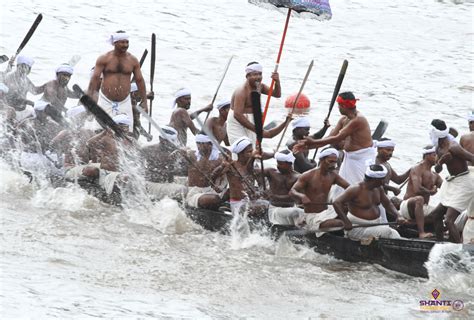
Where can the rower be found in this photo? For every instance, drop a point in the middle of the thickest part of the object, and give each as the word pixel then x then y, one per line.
pixel 422 184
pixel 385 148
pixel 201 193
pixel 456 192
pixel 312 190
pixel 181 120
pixel 282 208
pixel 467 140
pixel 240 122
pixel 301 127
pixel 161 164
pixel 218 125
pixel 354 129
pixel 117 67
pixel 363 202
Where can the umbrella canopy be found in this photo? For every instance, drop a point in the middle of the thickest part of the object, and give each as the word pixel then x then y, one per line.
pixel 319 9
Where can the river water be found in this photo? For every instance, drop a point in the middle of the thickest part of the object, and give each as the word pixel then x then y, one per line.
pixel 66 255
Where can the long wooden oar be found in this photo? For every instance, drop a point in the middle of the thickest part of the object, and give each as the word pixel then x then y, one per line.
pixel 140 128
pixel 219 86
pixel 340 78
pixel 270 89
pixel 152 74
pixel 26 39
pixel 308 71
pixel 380 130
pixel 257 120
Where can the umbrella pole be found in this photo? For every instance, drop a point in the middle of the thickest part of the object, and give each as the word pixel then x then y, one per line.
pixel 270 90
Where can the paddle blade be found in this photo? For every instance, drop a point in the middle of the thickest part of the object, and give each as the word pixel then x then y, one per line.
pixel 380 130
pixel 30 33
pixel 257 114
pixel 142 59
pixel 152 62
pixel 319 9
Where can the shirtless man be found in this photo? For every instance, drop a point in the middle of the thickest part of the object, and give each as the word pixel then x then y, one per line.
pixel 201 193
pixel 161 162
pixel 354 129
pixel 243 193
pixel 467 140
pixel 301 127
pixel 282 206
pixel 363 201
pixel 385 148
pixel 456 192
pixel 218 125
pixel 422 184
pixel 181 120
pixel 312 190
pixel 240 120
pixel 117 67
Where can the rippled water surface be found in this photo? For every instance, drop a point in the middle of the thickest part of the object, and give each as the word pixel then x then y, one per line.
pixel 66 255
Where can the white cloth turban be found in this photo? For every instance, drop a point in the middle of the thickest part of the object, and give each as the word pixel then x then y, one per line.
pixel 65 68
pixel 75 111
pixel 117 37
pixel 180 93
pixel 283 157
pixel 328 152
pixel 254 67
pixel 170 133
pixel 3 88
pixel 25 60
pixel 240 144
pixel 223 104
pixel 376 174
pixel 133 87
pixel 436 134
pixel 122 119
pixel 385 144
pixel 202 138
pixel 302 122
pixel 430 150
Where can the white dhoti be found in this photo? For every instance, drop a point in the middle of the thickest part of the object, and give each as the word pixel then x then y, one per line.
pixel 194 193
pixel 460 221
pixel 353 168
pixel 288 216
pixel 114 108
pixel 106 180
pixel 235 130
pixel 365 233
pixel 468 231
pixel 427 209
pixel 458 192
pixel 314 220
pixel 159 191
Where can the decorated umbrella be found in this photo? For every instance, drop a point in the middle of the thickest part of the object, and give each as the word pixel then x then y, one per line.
pixel 318 9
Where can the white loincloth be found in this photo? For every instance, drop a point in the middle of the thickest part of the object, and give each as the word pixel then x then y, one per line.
pixel 194 193
pixel 458 193
pixel 461 221
pixel 288 216
pixel 114 108
pixel 236 131
pixel 353 168
pixel 314 220
pixel 28 112
pixel 365 233
pixel 404 210
pixel 107 178
pixel 159 191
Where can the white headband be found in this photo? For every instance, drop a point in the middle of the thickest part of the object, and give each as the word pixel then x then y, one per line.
pixel 40 105
pixel 328 152
pixel 75 111
pixel 223 104
pixel 427 151
pixel 133 87
pixel 117 37
pixel 170 133
pixel 3 88
pixel 122 119
pixel 239 145
pixel 302 122
pixel 470 117
pixel 254 67
pixel 202 138
pixel 25 60
pixel 180 93
pixel 385 144
pixel 65 68
pixel 283 157
pixel 376 174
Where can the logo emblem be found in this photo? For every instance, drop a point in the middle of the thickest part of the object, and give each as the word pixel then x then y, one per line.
pixel 458 305
pixel 435 293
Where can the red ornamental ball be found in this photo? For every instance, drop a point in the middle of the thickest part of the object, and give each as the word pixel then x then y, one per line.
pixel 302 103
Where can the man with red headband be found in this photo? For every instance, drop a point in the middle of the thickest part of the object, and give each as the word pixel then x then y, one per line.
pixel 354 130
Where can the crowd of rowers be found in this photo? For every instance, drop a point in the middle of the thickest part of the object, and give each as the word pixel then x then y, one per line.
pixel 347 185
